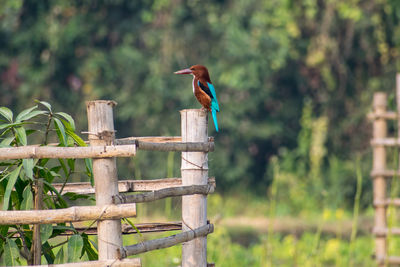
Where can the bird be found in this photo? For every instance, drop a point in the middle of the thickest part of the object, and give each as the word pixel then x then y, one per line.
pixel 203 89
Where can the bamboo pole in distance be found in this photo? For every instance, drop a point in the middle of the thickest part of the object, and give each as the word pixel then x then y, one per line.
pixel 101 132
pixel 379 164
pixel 194 170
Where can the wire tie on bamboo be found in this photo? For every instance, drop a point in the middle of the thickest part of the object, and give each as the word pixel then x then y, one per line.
pixel 194 164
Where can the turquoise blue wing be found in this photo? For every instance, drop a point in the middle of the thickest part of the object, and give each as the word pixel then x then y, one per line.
pixel 214 101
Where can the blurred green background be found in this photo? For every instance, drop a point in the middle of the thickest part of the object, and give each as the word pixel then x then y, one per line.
pixel 294 80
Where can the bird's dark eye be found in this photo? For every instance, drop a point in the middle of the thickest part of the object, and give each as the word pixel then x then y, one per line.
pixel 191 68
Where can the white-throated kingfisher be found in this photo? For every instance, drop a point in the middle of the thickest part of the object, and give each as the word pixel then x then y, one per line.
pixel 203 89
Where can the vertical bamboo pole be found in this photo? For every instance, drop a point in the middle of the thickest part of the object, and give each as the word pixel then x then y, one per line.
pixel 101 132
pixel 379 164
pixel 37 241
pixel 194 170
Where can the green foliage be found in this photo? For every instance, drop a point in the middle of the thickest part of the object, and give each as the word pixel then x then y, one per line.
pixel 18 179
pixel 265 57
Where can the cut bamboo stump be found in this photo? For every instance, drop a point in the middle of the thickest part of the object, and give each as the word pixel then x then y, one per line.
pixel 101 133
pixel 379 165
pixel 194 170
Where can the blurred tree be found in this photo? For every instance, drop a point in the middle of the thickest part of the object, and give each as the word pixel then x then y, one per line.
pixel 265 59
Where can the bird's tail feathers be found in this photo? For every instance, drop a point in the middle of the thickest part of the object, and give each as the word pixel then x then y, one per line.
pixel 214 115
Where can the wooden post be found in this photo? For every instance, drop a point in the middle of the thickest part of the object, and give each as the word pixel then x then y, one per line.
pixel 37 241
pixel 101 132
pixel 379 164
pixel 194 169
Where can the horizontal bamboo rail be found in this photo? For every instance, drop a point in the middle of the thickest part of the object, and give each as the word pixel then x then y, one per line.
pixel 166 241
pixel 41 152
pixel 387 202
pixel 167 146
pixel 388 115
pixel 389 260
pixel 385 141
pixel 163 193
pixel 127 185
pixel 136 262
pixel 381 232
pixel 127 229
pixel 159 143
pixel 385 173
pixel 73 214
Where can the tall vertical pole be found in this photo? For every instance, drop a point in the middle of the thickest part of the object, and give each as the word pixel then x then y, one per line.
pixel 101 133
pixel 194 170
pixel 379 165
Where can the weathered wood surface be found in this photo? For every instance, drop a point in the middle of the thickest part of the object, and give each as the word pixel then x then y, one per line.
pixel 385 141
pixel 127 229
pixel 101 132
pixel 37 241
pixel 73 214
pixel 385 173
pixel 163 193
pixel 167 241
pixel 387 202
pixel 128 185
pixel 167 146
pixel 40 152
pixel 389 115
pixel 136 262
pixel 194 170
pixel 379 164
pixel 382 261
pixel 383 232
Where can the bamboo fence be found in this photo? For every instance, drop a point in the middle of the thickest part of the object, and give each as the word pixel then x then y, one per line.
pixel 112 202
pixel 380 174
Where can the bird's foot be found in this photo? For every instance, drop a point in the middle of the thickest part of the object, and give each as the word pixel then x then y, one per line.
pixel 204 109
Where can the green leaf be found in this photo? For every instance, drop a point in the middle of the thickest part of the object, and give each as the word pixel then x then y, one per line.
pixel 60 131
pixel 7 141
pixel 45 232
pixel 21 134
pixel 11 253
pixel 28 167
pixel 68 118
pixel 89 170
pixel 33 114
pixel 88 248
pixel 10 185
pixel 24 113
pixel 63 166
pixel 48 253
pixel 44 103
pixel 27 201
pixel 134 227
pixel 71 164
pixel 9 125
pixel 74 136
pixel 60 256
pixel 6 113
pixel 61 200
pixel 75 245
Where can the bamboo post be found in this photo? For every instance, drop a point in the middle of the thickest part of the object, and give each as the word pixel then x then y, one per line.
pixel 194 169
pixel 101 132
pixel 379 164
pixel 37 241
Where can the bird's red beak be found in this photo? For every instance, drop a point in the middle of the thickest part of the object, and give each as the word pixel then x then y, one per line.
pixel 185 71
